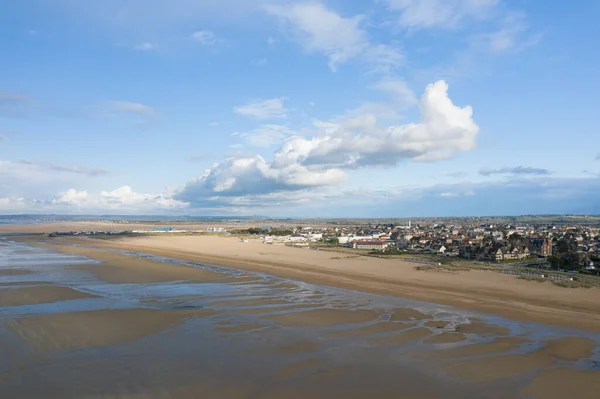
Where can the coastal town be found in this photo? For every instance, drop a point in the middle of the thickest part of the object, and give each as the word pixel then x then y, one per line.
pixel 568 247
pixel 558 246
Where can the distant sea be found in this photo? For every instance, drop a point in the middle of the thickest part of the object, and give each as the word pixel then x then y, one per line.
pixel 37 219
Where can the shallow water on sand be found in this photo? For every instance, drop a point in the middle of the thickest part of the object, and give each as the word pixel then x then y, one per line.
pixel 250 335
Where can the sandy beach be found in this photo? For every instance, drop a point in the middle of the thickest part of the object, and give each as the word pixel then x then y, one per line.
pixel 485 291
pixel 163 322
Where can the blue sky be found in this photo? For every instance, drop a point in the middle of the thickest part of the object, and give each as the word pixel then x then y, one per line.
pixel 299 108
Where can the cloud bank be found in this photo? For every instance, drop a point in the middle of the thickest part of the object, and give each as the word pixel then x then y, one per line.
pixel 323 160
pixel 517 170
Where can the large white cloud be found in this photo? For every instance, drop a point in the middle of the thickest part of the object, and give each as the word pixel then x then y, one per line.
pixel 321 160
pixel 252 175
pixel 444 129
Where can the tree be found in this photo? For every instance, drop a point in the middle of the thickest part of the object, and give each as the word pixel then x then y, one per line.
pixel 554 261
pixel 563 246
pixel 515 237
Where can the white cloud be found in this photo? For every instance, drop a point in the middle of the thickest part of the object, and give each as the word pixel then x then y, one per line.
pixel 135 16
pixel 266 135
pixel 260 62
pixel 448 195
pixel 144 47
pixel 321 161
pixel 120 199
pixel 263 109
pixel 11 103
pixel 131 107
pixel 207 38
pixel 321 30
pixel 75 169
pixel 252 175
pixel 400 98
pixel 510 35
pixel 11 97
pixel 416 14
pixel 444 130
pixel 12 204
pixel 384 58
pixel 38 178
pixel 517 170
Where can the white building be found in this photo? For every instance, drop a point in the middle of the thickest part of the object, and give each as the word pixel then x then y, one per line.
pixel 373 245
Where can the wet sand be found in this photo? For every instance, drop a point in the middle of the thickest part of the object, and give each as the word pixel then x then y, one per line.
pixel 377 328
pixel 408 314
pixel 298 347
pixel 479 290
pixel 323 318
pixel 414 334
pixel 506 366
pixel 122 269
pixel 446 338
pixel 39 294
pixel 498 345
pixel 563 383
pixel 96 328
pixel 14 272
pixel 158 330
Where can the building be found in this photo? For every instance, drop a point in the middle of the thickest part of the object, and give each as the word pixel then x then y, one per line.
pixel 511 253
pixel 373 245
pixel 540 247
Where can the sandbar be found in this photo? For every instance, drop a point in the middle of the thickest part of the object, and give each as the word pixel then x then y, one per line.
pixel 122 269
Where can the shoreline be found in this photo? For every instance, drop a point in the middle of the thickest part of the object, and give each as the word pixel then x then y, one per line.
pixel 272 335
pixel 500 295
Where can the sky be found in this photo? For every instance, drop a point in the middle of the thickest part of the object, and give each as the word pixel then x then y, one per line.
pixel 299 108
